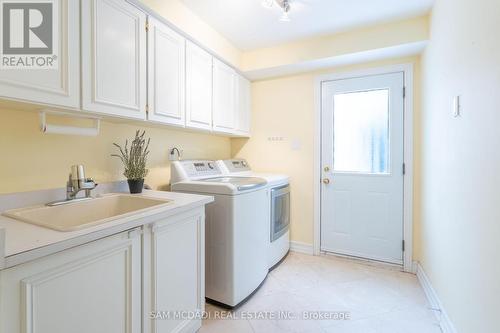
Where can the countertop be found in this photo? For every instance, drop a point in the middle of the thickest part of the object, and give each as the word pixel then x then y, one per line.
pixel 25 242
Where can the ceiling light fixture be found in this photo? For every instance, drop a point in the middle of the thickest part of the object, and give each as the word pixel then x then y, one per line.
pixel 285 17
pixel 284 5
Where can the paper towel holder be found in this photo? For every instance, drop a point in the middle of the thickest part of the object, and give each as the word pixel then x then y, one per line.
pixel 68 130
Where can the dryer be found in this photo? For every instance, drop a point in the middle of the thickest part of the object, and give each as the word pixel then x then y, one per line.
pixel 279 206
pixel 236 238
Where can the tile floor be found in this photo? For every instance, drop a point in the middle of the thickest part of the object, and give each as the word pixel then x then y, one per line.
pixel 377 300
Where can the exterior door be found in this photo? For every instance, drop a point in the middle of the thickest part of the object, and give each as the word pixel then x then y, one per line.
pixel 362 167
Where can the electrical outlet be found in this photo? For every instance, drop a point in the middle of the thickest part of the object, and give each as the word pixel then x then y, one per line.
pixel 296 144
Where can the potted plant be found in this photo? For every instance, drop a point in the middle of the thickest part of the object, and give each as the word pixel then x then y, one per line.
pixel 134 160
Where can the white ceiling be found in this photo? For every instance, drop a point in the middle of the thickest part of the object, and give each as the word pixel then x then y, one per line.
pixel 248 25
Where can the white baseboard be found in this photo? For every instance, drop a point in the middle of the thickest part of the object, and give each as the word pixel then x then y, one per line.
pixel 301 247
pixel 435 302
pixel 414 267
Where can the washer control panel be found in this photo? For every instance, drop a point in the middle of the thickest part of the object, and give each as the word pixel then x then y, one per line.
pixel 201 168
pixel 237 165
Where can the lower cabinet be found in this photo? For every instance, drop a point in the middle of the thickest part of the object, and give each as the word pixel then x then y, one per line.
pixel 125 283
pixel 95 287
pixel 174 294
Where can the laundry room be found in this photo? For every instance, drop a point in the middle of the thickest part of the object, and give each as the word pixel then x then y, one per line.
pixel 285 166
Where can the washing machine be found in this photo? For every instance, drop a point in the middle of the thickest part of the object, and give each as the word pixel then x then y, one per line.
pixel 236 229
pixel 279 206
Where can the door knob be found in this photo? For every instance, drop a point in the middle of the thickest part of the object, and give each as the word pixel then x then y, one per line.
pixel 326 181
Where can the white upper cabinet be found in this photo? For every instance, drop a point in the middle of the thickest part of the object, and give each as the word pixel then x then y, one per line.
pixel 114 58
pixel 243 110
pixel 224 101
pixel 166 74
pixel 60 86
pixel 198 87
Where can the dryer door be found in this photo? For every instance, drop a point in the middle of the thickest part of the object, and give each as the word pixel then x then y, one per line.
pixel 280 211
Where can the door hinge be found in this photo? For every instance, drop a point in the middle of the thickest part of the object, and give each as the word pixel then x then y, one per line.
pixel 147 109
pixel 403 245
pixel 147 26
pixel 404 169
pixel 404 92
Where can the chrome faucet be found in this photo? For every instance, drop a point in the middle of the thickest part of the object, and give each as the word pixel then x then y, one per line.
pixel 77 182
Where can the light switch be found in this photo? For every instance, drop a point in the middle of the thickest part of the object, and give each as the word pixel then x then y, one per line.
pixel 456 106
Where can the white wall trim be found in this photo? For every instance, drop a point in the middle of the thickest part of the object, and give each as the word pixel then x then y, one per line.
pixel 434 301
pixel 2 248
pixel 301 247
pixel 407 69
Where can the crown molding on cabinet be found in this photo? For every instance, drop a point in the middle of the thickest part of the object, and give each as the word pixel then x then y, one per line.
pixel 160 18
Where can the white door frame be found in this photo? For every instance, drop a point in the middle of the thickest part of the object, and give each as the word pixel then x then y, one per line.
pixel 407 69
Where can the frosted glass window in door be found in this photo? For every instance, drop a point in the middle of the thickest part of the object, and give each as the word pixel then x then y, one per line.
pixel 361 132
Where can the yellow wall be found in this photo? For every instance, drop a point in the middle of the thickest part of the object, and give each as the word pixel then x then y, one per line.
pixel 460 163
pixel 359 40
pixel 32 160
pixel 184 19
pixel 284 107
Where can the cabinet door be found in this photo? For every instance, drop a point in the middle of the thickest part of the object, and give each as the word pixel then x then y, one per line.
pixel 95 287
pixel 166 74
pixel 114 58
pixel 244 107
pixel 224 103
pixel 177 254
pixel 198 87
pixel 61 86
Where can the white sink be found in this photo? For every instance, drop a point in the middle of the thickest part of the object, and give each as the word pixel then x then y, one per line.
pixel 84 214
